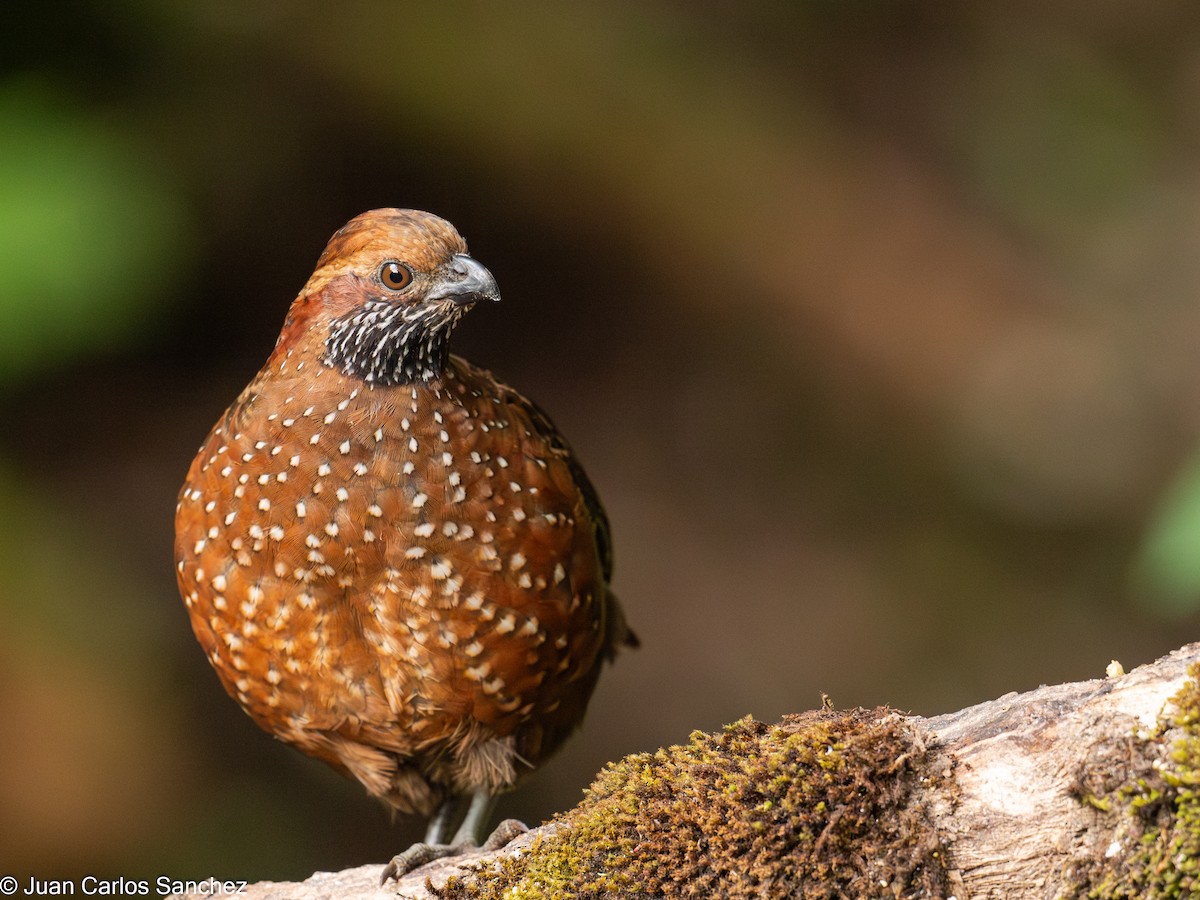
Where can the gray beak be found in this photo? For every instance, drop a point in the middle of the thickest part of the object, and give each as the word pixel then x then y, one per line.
pixel 464 281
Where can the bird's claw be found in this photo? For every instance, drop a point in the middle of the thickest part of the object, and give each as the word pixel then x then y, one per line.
pixel 416 856
pixel 421 854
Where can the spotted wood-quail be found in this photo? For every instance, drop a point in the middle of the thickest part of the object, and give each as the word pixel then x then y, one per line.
pixel 393 561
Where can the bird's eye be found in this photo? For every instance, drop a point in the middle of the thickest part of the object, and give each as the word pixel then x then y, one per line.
pixel 395 276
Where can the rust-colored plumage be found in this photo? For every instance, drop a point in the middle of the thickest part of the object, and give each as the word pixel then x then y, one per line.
pixel 393 561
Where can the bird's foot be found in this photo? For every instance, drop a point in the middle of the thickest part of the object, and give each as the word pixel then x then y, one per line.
pixel 504 833
pixel 422 853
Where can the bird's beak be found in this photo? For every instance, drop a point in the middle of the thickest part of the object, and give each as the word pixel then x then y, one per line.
pixel 464 281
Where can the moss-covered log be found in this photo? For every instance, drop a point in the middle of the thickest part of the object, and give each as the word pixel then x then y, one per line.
pixel 1078 790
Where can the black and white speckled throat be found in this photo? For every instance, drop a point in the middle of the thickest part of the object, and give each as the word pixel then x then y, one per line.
pixel 391 344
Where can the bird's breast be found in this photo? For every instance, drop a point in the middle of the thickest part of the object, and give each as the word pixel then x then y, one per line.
pixel 421 553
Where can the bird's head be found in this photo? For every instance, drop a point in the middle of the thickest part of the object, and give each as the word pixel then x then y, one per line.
pixel 385 296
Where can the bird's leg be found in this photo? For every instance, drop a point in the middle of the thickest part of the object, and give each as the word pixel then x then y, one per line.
pixel 468 836
pixel 439 825
pixel 470 832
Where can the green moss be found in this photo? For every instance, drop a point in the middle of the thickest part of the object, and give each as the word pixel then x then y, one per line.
pixel 823 801
pixel 1159 825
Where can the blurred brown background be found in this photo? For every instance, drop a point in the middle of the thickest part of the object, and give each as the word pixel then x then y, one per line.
pixel 875 323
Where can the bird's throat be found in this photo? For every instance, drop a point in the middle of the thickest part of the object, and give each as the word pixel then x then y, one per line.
pixel 381 343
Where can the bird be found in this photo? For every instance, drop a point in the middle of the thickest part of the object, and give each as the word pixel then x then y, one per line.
pixel 395 562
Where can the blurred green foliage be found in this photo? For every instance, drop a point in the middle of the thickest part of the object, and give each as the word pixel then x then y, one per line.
pixel 1060 137
pixel 1168 568
pixel 90 229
